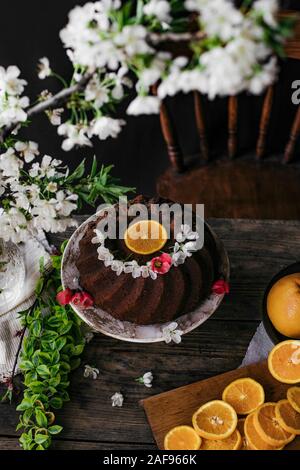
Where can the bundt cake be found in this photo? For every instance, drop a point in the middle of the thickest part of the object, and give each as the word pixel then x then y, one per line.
pixel 143 300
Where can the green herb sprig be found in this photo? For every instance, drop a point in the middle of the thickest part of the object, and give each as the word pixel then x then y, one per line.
pixel 51 349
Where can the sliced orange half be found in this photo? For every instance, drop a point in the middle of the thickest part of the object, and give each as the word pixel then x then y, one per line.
pixel 288 418
pixel 182 438
pixel 245 395
pixel 293 396
pixel 253 438
pixel 145 237
pixel 233 442
pixel 268 426
pixel 284 362
pixel 215 420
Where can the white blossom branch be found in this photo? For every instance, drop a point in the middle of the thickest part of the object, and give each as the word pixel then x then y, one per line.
pixel 50 103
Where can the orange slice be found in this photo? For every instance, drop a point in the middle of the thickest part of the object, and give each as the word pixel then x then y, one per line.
pixel 215 420
pixel 293 396
pixel 284 361
pixel 145 237
pixel 182 438
pixel 288 418
pixel 245 395
pixel 253 439
pixel 268 427
pixel 233 442
pixel 241 428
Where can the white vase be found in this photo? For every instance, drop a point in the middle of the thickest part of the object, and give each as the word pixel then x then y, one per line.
pixel 12 275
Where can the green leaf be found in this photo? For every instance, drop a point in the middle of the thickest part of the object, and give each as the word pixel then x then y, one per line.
pixel 56 403
pixel 39 286
pixel 43 371
pixel 77 350
pixel 36 386
pixel 77 173
pixel 40 438
pixel 36 328
pixel 56 429
pixel 24 405
pixel 94 167
pixel 26 365
pixel 41 418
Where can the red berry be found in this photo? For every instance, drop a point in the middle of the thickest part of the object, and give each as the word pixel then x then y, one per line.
pixel 64 297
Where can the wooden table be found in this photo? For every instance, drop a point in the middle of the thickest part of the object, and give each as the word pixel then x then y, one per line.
pixel 257 250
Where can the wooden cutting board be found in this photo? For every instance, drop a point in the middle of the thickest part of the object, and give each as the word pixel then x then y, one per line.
pixel 176 407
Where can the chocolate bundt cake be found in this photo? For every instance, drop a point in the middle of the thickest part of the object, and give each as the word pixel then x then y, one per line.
pixel 145 300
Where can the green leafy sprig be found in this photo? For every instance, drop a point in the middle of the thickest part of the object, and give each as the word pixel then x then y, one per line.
pixel 51 350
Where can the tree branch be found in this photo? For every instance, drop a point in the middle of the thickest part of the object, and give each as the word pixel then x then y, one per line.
pixel 51 103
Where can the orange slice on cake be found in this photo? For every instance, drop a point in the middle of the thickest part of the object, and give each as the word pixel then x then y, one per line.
pixel 245 395
pixel 293 396
pixel 145 237
pixel 182 438
pixel 284 362
pixel 288 417
pixel 269 428
pixel 215 420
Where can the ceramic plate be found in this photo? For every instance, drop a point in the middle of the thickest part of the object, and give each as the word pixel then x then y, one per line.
pixel 103 322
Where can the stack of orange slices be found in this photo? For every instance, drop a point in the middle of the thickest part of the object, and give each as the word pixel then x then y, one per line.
pixel 262 426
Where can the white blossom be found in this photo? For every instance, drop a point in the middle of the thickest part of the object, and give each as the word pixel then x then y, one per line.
pixel 52 187
pixel 44 69
pixel 90 372
pixel 171 333
pixel 104 127
pixel 75 135
pixel 133 39
pixel 268 9
pixel 221 18
pixel 144 105
pixel 96 92
pixel 10 164
pixel 13 110
pixel 10 82
pixel 264 77
pixel 55 116
pixel 47 168
pixel 159 8
pixel 66 203
pixel 13 226
pixel 121 80
pixel 146 379
pixel 117 399
pixel 27 150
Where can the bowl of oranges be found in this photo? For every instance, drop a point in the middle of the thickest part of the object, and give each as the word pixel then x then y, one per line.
pixel 281 305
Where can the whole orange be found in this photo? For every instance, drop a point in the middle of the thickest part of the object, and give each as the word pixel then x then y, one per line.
pixel 283 305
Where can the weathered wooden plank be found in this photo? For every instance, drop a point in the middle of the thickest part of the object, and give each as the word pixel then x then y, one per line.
pixel 12 443
pixel 214 348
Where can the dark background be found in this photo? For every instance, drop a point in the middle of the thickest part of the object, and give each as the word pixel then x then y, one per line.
pixel 30 30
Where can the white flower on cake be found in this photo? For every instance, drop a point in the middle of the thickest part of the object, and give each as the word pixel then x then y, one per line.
pixel 27 150
pixel 90 372
pixel 146 379
pixel 171 333
pixel 44 69
pixel 117 400
pixel 180 251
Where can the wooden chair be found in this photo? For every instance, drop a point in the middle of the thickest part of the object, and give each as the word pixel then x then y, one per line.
pixel 235 186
